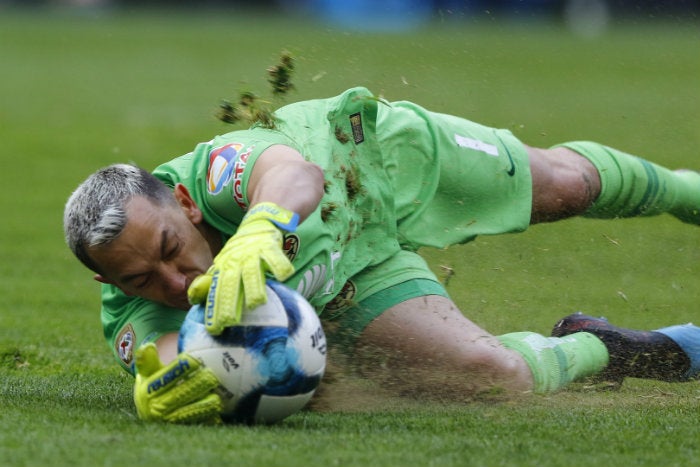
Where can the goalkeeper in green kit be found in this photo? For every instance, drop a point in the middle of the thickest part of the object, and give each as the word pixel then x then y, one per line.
pixel 334 198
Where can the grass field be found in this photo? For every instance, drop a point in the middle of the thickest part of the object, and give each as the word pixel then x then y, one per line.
pixel 79 91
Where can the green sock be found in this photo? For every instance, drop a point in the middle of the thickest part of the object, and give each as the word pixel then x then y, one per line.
pixel 631 186
pixel 557 361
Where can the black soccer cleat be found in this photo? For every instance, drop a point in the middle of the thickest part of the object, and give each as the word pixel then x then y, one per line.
pixel 637 354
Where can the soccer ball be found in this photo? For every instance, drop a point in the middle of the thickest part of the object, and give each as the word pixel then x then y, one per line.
pixel 270 364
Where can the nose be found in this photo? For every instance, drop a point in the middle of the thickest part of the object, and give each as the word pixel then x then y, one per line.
pixel 175 282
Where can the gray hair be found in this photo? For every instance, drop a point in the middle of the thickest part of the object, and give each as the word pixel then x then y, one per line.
pixel 95 213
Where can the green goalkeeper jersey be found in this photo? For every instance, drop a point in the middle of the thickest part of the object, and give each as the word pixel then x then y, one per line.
pixel 397 177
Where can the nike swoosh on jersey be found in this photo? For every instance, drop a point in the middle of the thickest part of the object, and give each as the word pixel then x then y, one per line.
pixel 510 171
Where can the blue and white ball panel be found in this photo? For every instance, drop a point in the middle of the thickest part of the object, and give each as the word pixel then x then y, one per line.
pixel 306 334
pixel 270 365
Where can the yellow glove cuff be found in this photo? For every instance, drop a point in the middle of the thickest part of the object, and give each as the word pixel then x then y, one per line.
pixel 281 217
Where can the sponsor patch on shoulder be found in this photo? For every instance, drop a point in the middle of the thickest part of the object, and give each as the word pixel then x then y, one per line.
pixel 358 134
pixel 221 164
pixel 124 344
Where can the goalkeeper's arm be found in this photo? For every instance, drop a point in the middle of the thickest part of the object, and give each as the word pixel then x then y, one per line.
pixel 282 176
pixel 283 189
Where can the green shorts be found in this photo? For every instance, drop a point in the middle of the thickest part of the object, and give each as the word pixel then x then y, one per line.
pixel 455 179
pixel 370 293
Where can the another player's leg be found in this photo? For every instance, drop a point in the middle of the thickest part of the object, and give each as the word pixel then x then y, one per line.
pixel 668 354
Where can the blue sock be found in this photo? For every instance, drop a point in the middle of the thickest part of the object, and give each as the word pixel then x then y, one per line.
pixel 687 336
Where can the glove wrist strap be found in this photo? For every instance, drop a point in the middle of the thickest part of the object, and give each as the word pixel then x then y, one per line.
pixel 283 218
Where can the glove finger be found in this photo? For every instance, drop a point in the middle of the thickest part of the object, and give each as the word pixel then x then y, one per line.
pixel 278 264
pixel 199 288
pixel 253 284
pixel 204 411
pixel 223 307
pixel 189 389
pixel 147 360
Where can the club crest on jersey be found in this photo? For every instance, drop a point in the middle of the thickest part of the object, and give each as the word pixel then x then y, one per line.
pixel 343 301
pixel 124 344
pixel 222 161
pixel 291 245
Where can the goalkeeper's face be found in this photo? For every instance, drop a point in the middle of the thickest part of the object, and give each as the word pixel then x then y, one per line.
pixel 159 252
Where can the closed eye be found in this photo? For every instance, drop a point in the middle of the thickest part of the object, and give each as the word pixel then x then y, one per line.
pixel 172 251
pixel 142 281
pixel 169 248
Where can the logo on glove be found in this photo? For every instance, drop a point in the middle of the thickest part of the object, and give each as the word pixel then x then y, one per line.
pixel 209 311
pixel 179 369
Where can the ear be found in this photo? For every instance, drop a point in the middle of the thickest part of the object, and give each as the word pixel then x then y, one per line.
pixel 103 280
pixel 188 205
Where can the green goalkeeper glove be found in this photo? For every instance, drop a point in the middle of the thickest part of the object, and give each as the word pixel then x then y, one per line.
pixel 237 278
pixel 180 392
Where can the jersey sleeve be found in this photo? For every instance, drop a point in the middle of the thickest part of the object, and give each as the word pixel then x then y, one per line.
pixel 128 322
pixel 216 174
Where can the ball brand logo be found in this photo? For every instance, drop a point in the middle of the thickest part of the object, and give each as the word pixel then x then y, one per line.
pixel 229 362
pixel 181 368
pixel 318 341
pixel 221 165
